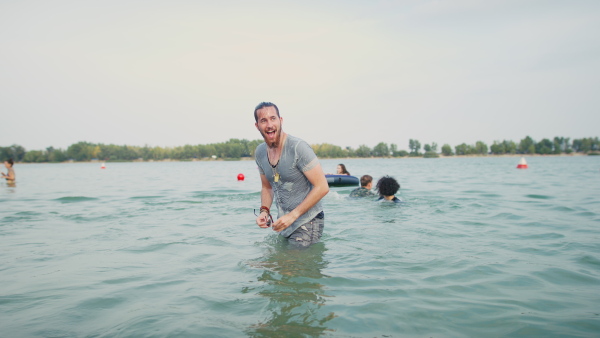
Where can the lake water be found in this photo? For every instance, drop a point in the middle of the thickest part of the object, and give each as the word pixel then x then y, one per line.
pixel 170 249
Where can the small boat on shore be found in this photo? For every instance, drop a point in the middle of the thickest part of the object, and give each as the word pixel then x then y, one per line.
pixel 342 180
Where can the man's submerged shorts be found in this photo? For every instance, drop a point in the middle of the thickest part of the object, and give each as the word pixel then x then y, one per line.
pixel 309 232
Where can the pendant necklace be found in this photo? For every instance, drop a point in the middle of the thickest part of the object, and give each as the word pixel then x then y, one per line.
pixel 275 173
pixel 274 167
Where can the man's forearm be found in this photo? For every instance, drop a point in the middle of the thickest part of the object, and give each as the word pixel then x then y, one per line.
pixel 266 197
pixel 313 197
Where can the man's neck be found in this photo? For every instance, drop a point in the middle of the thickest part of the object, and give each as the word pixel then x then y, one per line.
pixel 279 145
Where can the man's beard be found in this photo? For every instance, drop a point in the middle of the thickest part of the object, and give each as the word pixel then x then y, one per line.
pixel 275 142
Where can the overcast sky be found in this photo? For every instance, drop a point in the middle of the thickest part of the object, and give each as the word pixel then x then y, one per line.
pixel 170 73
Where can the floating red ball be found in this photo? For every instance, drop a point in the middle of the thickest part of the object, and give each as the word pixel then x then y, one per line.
pixel 241 177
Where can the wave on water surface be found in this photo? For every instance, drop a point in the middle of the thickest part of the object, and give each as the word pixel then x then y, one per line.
pixel 75 199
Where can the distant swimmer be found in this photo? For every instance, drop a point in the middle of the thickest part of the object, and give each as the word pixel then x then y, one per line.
pixel 291 175
pixel 10 176
pixel 366 184
pixel 341 170
pixel 388 187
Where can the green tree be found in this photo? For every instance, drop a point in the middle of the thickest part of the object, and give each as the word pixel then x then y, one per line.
pixel 544 147
pixel 527 146
pixel 350 152
pixel 55 155
pixel 576 145
pixel 397 153
pixel 567 146
pixel 394 149
pixel 480 148
pixel 5 154
pixel 558 145
pixel 430 150
pixel 15 151
pixel 381 150
pixel 414 146
pixel 447 150
pixel 461 149
pixel 328 150
pixel 498 148
pixel 363 151
pixel 35 156
pixel 510 147
pixel 81 151
pixel 586 144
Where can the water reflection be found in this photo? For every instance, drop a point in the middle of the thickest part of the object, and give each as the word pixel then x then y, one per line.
pixel 11 184
pixel 290 280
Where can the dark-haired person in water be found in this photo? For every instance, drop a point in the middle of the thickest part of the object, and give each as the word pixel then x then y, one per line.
pixel 387 187
pixel 341 170
pixel 291 174
pixel 366 183
pixel 10 176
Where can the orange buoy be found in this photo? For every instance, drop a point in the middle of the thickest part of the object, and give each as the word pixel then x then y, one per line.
pixel 241 177
pixel 522 164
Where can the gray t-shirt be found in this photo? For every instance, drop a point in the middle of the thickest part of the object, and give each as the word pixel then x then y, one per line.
pixel 292 188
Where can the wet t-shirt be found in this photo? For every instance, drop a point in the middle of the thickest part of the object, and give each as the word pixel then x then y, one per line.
pixel 292 187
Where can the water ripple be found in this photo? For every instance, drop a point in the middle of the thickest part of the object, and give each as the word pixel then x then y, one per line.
pixel 75 199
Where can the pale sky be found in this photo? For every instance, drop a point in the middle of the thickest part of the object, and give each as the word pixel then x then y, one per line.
pixel 170 73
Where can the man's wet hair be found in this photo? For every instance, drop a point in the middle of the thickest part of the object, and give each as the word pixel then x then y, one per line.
pixel 11 162
pixel 365 179
pixel 263 105
pixel 387 186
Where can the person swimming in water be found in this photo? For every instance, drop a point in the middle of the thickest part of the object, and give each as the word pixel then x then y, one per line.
pixel 10 176
pixel 366 183
pixel 387 187
pixel 341 170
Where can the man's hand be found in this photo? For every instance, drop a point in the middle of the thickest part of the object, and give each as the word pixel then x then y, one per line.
pixel 263 220
pixel 284 222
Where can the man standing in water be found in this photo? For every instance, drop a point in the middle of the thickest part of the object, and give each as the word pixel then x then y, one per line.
pixel 291 174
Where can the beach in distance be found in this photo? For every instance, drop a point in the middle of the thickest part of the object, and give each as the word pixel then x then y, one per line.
pixel 477 248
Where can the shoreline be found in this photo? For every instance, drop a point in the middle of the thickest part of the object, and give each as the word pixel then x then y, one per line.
pixel 321 158
pixel 459 156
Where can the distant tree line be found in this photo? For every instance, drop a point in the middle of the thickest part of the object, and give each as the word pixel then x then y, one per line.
pixel 86 151
pixel 235 149
pixel 559 145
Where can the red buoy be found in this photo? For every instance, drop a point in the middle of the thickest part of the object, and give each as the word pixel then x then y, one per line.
pixel 522 164
pixel 241 177
pixel 103 166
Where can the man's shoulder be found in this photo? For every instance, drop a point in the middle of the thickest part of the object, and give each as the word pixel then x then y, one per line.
pixel 293 140
pixel 260 154
pixel 298 145
pixel 261 147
